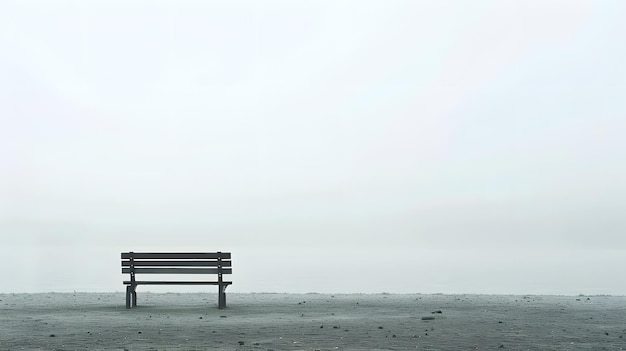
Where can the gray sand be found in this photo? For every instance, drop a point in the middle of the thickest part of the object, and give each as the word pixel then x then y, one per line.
pixel 311 322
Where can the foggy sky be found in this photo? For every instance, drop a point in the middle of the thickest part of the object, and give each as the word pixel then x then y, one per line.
pixel 362 125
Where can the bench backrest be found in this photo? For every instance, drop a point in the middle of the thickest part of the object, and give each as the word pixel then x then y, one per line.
pixel 176 263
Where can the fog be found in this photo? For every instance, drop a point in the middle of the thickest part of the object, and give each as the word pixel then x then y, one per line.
pixel 331 146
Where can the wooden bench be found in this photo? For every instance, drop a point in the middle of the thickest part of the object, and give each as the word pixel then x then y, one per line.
pixel 169 263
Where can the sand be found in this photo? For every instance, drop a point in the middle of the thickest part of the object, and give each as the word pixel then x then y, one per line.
pixel 191 321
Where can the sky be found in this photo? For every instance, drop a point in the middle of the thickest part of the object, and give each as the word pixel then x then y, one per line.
pixel 332 146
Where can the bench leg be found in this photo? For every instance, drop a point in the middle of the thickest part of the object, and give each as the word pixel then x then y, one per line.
pixel 128 293
pixel 221 303
pixel 131 296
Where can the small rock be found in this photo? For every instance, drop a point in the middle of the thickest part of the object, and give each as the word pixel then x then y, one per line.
pixel 606 333
pixel 501 346
pixel 393 336
pixel 223 316
pixel 139 332
pixel 436 312
pixel 321 327
pixel 335 327
pixel 52 335
pixel 241 343
pixel 200 317
pixel 428 318
pixel 380 327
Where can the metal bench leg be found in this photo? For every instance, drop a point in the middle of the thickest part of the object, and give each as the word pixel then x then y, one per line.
pixel 221 303
pixel 128 293
pixel 134 296
pixel 131 296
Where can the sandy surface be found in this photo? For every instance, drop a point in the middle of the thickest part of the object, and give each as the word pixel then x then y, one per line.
pixel 311 322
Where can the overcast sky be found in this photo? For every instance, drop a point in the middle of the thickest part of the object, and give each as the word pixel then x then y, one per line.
pixel 349 125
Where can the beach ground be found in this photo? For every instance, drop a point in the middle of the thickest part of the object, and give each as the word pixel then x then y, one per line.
pixel 192 321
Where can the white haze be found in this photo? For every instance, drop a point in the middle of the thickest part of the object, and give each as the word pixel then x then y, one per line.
pixel 333 146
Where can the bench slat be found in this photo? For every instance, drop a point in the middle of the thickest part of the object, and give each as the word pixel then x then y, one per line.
pixel 140 263
pixel 159 270
pixel 143 282
pixel 176 255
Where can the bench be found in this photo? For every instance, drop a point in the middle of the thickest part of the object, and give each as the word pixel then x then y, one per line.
pixel 170 263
